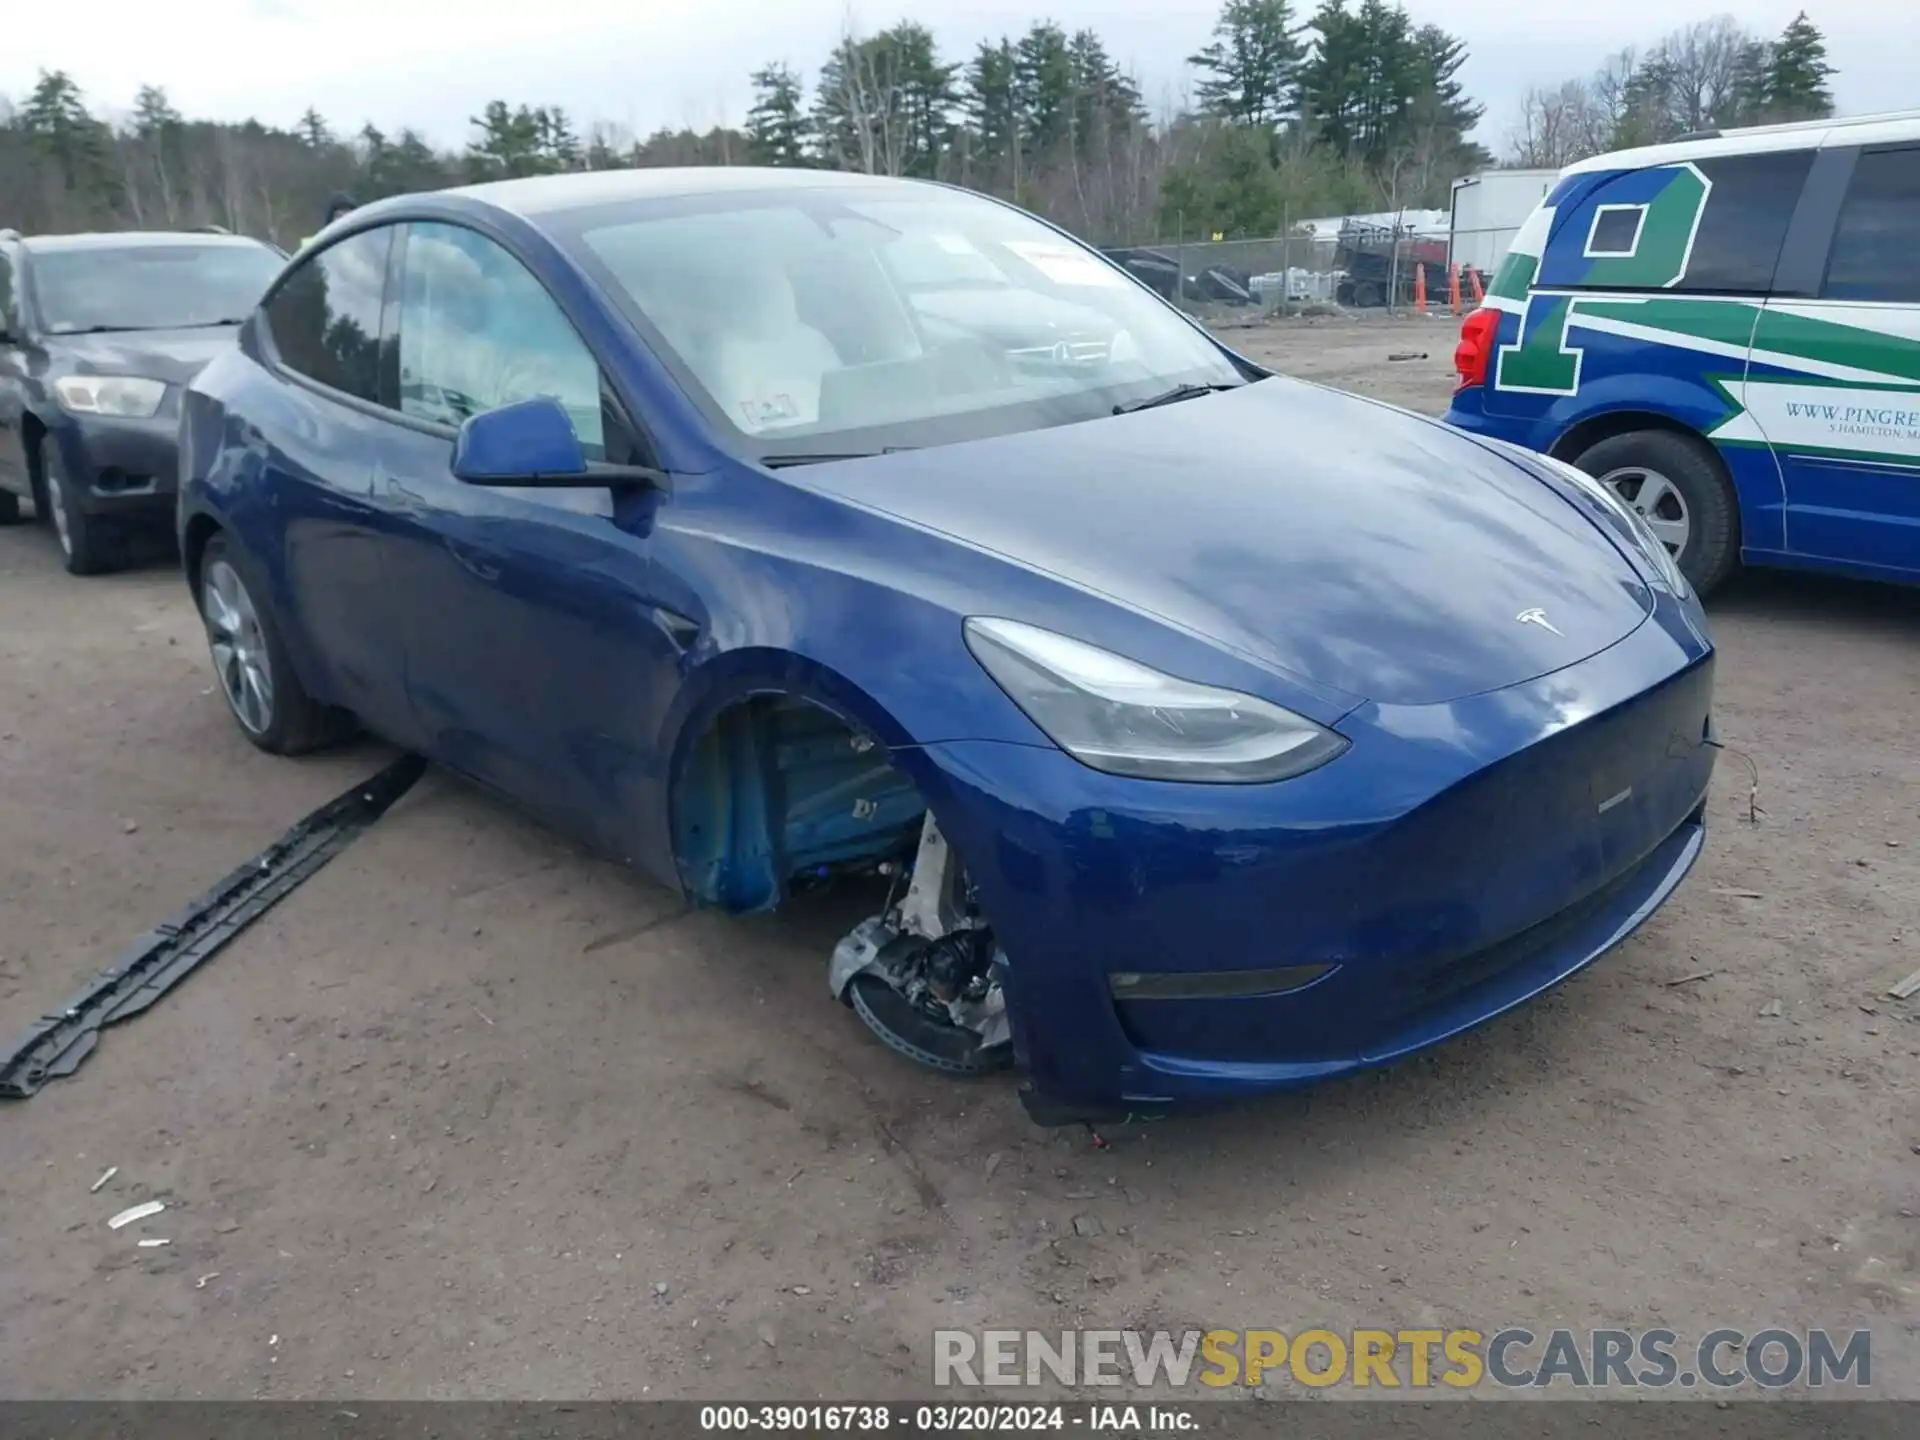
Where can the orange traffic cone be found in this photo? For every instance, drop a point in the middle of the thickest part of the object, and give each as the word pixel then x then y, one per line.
pixel 1478 294
pixel 1453 287
pixel 1419 288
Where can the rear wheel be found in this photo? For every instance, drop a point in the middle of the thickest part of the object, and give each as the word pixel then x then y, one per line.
pixel 89 544
pixel 10 512
pixel 251 664
pixel 1678 485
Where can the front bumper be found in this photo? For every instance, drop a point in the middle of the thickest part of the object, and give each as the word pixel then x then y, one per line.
pixel 120 466
pixel 1458 860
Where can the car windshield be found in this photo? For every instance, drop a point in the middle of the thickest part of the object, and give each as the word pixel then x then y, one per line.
pixel 833 321
pixel 150 287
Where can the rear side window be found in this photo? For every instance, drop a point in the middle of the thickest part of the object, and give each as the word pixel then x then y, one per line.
pixel 1746 219
pixel 1712 226
pixel 1874 252
pixel 325 317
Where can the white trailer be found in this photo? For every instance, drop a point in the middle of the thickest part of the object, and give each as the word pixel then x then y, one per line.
pixel 1487 210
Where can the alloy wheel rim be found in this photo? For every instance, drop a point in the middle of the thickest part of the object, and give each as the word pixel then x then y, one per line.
pixel 1657 500
pixel 62 524
pixel 238 647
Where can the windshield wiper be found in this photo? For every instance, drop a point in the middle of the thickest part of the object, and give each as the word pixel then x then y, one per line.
pixel 776 462
pixel 145 329
pixel 1168 397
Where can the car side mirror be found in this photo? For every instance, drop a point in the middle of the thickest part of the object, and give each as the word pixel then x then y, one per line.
pixel 531 442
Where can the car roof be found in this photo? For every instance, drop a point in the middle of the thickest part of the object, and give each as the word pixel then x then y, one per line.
pixel 1893 126
pixel 550 194
pixel 131 240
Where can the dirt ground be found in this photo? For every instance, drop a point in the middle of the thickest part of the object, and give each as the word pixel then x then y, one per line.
pixel 470 1115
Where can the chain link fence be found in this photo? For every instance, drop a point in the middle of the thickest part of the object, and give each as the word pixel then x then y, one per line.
pixel 1346 265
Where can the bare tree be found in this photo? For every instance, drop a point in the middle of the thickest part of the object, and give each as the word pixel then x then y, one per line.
pixel 1701 68
pixel 1612 91
pixel 1559 126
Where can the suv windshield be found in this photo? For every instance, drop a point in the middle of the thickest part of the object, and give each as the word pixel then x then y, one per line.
pixel 828 320
pixel 149 287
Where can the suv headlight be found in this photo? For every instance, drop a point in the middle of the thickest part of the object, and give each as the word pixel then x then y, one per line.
pixel 1114 715
pixel 1651 545
pixel 124 396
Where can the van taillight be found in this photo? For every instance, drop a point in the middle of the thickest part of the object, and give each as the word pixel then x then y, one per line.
pixel 1474 353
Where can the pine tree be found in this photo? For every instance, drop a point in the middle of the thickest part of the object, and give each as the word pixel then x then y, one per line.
pixel 1647 104
pixel 313 130
pixel 1043 88
pixel 153 113
pixel 777 125
pixel 991 104
pixel 56 120
pixel 1106 103
pixel 558 147
pixel 1333 77
pixel 1438 57
pixel 509 144
pixel 1745 102
pixel 1796 78
pixel 1253 64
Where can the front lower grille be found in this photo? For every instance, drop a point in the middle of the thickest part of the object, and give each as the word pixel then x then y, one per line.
pixel 1456 976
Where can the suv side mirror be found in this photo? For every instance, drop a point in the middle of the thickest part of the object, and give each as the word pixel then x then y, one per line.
pixel 531 442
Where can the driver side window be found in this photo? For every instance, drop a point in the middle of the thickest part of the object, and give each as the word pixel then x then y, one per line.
pixel 478 331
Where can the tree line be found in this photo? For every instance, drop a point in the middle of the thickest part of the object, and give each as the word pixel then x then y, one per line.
pixel 1354 107
pixel 1707 76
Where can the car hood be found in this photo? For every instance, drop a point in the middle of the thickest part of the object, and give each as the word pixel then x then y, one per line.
pixel 1340 541
pixel 175 356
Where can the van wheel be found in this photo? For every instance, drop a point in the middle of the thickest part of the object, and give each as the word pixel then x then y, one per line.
pixel 10 508
pixel 1682 491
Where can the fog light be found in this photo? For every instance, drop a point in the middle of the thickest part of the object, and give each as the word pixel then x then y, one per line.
pixel 1213 984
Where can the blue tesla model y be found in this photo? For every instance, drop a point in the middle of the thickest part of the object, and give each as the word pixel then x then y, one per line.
pixel 1213 732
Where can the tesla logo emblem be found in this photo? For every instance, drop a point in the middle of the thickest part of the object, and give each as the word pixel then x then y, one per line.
pixel 1537 616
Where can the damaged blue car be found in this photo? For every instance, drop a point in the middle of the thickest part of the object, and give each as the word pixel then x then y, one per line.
pixel 1207 732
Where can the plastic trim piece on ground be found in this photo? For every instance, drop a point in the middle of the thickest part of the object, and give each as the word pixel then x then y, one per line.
pixel 163 957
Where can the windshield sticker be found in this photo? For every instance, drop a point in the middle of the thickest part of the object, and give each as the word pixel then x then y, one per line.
pixel 765 410
pixel 1063 264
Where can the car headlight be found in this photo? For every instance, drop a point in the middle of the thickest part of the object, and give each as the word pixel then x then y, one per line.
pixel 1114 715
pixel 1651 545
pixel 126 397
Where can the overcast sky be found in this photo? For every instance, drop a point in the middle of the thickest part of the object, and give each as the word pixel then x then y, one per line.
pixel 647 63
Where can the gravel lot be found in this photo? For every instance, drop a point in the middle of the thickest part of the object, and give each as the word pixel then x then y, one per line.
pixel 472 1115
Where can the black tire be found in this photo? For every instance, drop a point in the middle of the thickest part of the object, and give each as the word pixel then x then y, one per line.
pixel 1690 465
pixel 89 544
pixel 293 723
pixel 10 512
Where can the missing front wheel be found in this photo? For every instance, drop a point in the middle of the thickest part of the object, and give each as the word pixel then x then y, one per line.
pixel 926 975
